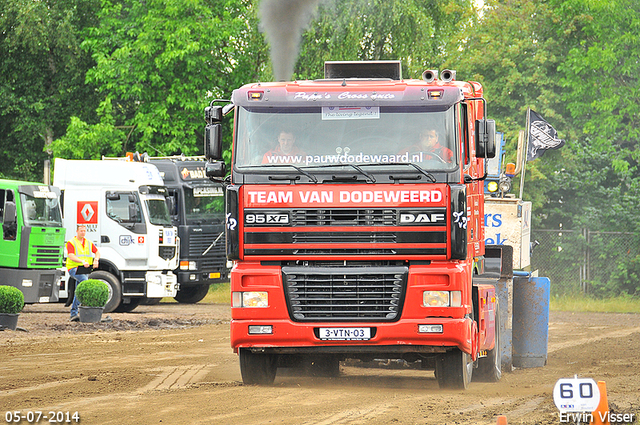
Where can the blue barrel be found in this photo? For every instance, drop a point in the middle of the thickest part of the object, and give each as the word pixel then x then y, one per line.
pixel 530 321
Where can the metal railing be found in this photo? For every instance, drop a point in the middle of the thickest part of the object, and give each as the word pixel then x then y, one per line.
pixel 583 260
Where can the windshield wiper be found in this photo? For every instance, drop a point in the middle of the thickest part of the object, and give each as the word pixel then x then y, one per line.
pixel 416 166
pixel 300 170
pixel 364 173
pixel 355 167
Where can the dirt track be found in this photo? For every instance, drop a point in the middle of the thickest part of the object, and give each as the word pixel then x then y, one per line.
pixel 172 364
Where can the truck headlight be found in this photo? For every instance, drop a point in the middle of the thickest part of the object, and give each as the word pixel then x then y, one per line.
pixel 250 299
pixel 188 265
pixel 442 298
pixel 435 298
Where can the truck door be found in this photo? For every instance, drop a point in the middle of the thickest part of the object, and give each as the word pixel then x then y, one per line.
pixel 126 227
pixel 9 247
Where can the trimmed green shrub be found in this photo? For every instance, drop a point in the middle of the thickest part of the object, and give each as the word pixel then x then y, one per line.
pixel 11 300
pixel 92 293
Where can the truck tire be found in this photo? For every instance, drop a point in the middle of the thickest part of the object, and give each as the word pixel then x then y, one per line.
pixel 128 307
pixel 150 301
pixel 454 370
pixel 490 367
pixel 115 289
pixel 191 294
pixel 257 368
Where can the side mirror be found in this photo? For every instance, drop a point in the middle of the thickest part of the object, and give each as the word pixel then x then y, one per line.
pixel 171 204
pixel 9 214
pixel 9 226
pixel 485 138
pixel 213 142
pixel 213 114
pixel 216 169
pixel 133 212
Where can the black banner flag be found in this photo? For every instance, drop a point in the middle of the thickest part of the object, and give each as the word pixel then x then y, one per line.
pixel 542 136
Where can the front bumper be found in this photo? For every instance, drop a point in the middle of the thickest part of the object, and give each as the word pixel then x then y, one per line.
pixel 400 337
pixel 161 285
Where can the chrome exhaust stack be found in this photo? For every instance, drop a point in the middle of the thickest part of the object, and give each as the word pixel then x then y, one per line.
pixel 430 75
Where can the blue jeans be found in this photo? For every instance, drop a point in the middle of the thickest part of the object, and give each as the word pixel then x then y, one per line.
pixel 79 278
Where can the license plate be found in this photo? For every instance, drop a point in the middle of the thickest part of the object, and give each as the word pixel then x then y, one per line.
pixel 343 334
pixel 214 275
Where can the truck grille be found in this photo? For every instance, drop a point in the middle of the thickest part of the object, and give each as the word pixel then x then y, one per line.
pixel 167 252
pixel 47 256
pixel 342 217
pixel 345 294
pixel 215 256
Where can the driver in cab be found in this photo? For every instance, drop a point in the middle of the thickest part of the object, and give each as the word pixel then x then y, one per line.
pixel 286 152
pixel 428 147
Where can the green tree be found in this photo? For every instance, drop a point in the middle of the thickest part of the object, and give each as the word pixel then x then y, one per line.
pixel 41 78
pixel 158 64
pixel 599 185
pixel 601 72
pixel 514 52
pixel 414 31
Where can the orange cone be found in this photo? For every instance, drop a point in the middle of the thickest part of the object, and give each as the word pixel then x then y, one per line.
pixel 601 414
pixel 502 420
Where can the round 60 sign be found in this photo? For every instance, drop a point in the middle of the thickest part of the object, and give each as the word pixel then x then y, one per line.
pixel 576 395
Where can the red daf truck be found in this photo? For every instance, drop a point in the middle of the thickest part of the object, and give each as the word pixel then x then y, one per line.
pixel 355 221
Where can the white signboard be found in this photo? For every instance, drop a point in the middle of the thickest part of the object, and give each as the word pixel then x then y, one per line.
pixel 507 221
pixel 350 112
pixel 207 191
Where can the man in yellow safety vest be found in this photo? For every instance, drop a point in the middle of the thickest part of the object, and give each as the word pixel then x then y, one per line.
pixel 80 252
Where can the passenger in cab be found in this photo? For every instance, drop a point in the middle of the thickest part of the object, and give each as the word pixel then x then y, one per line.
pixel 428 147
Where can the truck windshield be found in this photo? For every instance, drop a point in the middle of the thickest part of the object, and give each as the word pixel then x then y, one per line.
pixel 320 136
pixel 41 210
pixel 157 210
pixel 204 205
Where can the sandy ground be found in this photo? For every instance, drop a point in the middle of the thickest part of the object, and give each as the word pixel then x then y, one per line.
pixel 172 364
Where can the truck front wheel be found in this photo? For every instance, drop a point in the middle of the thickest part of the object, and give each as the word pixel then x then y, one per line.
pixel 454 369
pixel 115 289
pixel 128 307
pixel 257 368
pixel 191 294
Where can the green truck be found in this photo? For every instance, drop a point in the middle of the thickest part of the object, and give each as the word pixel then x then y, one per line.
pixel 32 243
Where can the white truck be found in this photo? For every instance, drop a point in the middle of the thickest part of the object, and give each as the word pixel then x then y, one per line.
pixel 123 205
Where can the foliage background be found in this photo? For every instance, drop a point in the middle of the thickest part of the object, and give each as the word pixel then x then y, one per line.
pixel 87 78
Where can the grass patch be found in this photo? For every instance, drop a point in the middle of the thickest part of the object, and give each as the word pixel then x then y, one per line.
pixel 218 294
pixel 584 303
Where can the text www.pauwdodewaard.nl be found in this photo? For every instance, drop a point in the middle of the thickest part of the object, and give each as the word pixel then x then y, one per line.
pixel 344 158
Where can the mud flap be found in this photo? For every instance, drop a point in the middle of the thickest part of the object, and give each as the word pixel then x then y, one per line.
pixel 71 291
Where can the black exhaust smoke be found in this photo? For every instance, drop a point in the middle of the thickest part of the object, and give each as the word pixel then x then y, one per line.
pixel 283 21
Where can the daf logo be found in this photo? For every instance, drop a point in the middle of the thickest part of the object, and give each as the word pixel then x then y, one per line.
pixel 422 218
